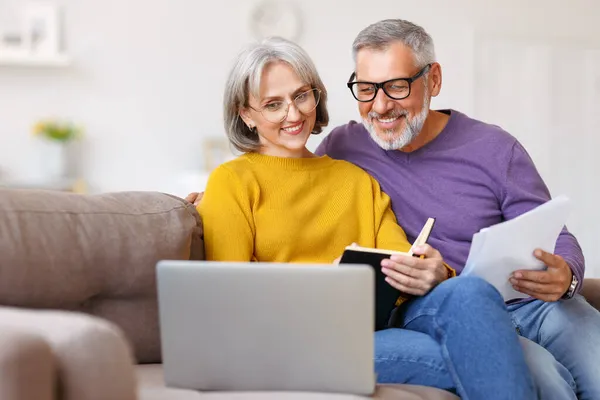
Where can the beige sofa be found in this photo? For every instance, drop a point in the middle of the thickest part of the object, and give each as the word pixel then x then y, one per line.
pixel 78 310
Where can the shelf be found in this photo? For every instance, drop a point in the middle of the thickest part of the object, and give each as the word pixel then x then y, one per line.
pixel 59 60
pixel 66 185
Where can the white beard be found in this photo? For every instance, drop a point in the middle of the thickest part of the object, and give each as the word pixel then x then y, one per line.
pixel 411 129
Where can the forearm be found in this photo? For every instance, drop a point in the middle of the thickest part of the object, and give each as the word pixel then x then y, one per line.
pixel 226 218
pixel 226 238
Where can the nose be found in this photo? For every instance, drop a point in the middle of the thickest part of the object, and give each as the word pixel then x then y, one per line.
pixel 293 114
pixel 382 103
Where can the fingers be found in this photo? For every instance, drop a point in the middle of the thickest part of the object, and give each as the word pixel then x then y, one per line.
pixel 548 285
pixel 427 251
pixel 432 256
pixel 415 275
pixel 415 262
pixel 547 258
pixel 190 198
pixel 200 195
pixel 541 288
pixel 408 279
pixel 533 276
pixel 539 296
pixel 406 284
pixel 403 269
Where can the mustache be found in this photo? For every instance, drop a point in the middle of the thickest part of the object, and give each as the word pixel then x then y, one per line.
pixel 395 113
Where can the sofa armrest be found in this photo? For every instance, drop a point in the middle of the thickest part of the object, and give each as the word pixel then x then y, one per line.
pixel 591 291
pixel 93 360
pixel 27 369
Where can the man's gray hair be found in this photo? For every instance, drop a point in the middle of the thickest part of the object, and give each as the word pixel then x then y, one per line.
pixel 244 80
pixel 380 35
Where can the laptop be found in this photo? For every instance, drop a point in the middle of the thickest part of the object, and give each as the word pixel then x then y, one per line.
pixel 266 326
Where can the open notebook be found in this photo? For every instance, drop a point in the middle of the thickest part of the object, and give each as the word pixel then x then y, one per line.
pixel 386 296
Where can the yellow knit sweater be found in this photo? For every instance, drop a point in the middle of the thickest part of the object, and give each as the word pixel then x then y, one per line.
pixel 271 209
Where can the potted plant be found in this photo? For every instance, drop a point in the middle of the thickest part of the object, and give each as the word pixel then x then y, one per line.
pixel 54 138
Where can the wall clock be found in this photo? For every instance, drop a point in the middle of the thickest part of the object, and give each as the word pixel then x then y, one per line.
pixel 276 18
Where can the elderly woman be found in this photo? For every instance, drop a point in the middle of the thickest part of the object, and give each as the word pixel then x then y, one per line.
pixel 278 202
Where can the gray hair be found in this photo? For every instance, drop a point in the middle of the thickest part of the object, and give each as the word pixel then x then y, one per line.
pixel 381 34
pixel 244 80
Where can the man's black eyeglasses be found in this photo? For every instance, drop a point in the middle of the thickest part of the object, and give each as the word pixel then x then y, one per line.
pixel 397 89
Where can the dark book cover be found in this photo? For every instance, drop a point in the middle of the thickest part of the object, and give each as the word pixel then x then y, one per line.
pixel 385 295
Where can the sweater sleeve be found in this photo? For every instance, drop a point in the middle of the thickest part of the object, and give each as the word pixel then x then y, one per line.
pixel 524 190
pixel 388 235
pixel 227 218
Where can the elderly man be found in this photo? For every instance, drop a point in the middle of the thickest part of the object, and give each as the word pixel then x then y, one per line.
pixel 469 175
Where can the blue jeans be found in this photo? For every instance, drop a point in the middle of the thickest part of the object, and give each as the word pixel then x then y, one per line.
pixel 458 337
pixel 570 331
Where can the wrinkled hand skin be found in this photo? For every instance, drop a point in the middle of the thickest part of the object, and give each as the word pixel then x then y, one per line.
pixel 549 285
pixel 415 275
pixel 194 198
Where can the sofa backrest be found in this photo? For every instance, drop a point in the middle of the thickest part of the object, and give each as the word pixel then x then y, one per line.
pixel 96 254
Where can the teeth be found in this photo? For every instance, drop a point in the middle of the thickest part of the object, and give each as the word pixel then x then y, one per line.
pixel 292 129
pixel 387 120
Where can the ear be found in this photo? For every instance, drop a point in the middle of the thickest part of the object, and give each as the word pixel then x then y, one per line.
pixel 247 117
pixel 435 79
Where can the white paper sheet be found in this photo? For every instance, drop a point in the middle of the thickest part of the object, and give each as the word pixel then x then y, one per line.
pixel 496 252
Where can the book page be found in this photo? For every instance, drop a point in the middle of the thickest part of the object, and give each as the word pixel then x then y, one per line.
pixel 374 250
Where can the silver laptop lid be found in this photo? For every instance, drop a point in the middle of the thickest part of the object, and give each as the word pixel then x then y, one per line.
pixel 262 326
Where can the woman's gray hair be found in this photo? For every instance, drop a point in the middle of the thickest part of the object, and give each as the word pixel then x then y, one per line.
pixel 244 80
pixel 382 34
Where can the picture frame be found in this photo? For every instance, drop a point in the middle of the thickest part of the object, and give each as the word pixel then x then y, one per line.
pixel 216 152
pixel 41 28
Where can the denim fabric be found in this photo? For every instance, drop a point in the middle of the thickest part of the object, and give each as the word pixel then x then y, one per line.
pixel 404 356
pixel 570 331
pixel 459 337
pixel 553 381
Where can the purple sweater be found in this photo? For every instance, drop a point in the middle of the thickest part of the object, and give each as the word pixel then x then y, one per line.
pixel 471 176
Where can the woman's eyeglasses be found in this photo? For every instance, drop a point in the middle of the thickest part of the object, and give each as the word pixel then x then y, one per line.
pixel 277 110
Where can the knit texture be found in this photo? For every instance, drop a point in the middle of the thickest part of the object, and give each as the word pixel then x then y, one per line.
pixel 298 210
pixel 471 176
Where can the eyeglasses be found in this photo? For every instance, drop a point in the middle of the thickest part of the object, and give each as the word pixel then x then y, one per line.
pixel 277 110
pixel 396 89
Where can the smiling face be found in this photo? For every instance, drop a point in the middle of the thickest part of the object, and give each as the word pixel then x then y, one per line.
pixel 393 124
pixel 285 136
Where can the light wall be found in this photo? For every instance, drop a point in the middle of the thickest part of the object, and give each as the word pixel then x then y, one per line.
pixel 147 76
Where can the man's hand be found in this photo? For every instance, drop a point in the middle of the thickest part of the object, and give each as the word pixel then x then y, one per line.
pixel 549 285
pixel 414 275
pixel 194 198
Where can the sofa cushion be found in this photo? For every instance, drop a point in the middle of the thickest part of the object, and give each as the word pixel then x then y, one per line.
pixel 94 253
pixel 91 359
pixel 27 365
pixel 152 387
pixel 591 291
